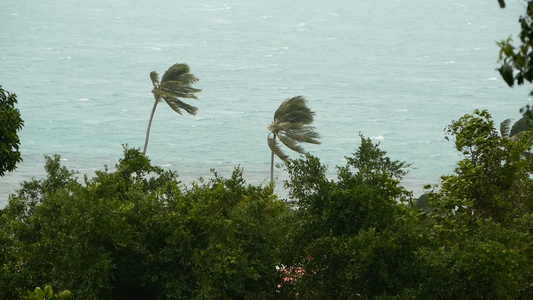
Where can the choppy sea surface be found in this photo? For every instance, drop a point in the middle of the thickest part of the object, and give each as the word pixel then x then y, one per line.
pixel 395 71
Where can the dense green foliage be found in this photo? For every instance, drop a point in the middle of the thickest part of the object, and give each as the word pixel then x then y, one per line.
pixel 518 60
pixel 138 233
pixel 10 124
pixel 355 236
pixel 495 175
pixel 483 216
pixel 135 233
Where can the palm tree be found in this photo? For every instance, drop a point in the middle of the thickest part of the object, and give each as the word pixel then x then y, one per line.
pixel 516 132
pixel 292 125
pixel 175 84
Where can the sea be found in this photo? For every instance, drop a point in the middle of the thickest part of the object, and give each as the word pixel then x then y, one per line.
pixel 395 71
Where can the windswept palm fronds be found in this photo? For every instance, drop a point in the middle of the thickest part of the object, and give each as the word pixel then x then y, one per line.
pixel 292 126
pixel 174 85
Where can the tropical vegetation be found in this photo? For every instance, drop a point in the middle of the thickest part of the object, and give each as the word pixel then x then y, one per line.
pixel 10 123
pixel 48 293
pixel 292 126
pixel 517 61
pixel 137 232
pixel 175 84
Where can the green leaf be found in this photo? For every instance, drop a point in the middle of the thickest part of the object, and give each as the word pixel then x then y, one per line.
pixel 178 105
pixel 39 294
pixel 179 72
pixel 64 295
pixel 154 76
pixel 506 71
pixel 274 147
pixel 291 143
pixel 48 291
pixel 505 127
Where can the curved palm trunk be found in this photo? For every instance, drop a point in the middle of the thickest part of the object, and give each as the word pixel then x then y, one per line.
pixel 272 164
pixel 149 126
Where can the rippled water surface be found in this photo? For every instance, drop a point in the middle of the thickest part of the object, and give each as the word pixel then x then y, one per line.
pixel 395 71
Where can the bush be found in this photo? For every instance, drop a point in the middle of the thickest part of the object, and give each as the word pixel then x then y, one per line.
pixel 10 123
pixel 136 233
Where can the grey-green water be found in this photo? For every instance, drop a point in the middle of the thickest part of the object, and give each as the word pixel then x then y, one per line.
pixel 396 71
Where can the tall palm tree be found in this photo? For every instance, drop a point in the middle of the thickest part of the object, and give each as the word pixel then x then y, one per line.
pixel 291 125
pixel 175 84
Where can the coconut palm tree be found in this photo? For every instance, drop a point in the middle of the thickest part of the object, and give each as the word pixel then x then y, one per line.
pixel 175 84
pixel 516 132
pixel 292 126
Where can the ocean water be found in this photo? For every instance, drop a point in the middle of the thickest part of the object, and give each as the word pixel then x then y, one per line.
pixel 396 71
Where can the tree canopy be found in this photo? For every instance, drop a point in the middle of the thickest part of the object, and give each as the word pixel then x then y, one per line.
pixel 517 62
pixel 137 232
pixel 10 123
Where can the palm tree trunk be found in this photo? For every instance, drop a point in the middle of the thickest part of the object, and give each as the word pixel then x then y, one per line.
pixel 272 164
pixel 149 126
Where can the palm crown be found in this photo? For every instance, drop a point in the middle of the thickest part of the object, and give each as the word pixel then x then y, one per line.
pixel 516 131
pixel 175 84
pixel 292 125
